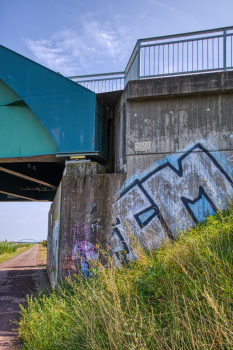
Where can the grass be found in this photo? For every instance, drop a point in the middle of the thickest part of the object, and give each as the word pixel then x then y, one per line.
pixel 179 296
pixel 42 254
pixel 9 250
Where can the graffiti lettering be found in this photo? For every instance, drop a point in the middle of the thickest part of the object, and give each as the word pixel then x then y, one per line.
pixel 169 199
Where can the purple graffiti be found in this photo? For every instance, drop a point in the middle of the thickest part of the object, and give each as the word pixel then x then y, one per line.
pixel 83 249
pixel 80 230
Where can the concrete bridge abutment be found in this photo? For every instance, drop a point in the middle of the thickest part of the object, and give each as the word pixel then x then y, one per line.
pixel 172 150
pixel 81 218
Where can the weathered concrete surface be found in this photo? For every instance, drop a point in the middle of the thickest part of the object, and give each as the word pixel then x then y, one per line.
pixel 180 85
pixel 84 168
pixel 86 219
pixel 18 277
pixel 119 132
pixel 173 146
pixel 184 169
pixel 174 123
pixel 53 237
pixel 80 217
pixel 173 114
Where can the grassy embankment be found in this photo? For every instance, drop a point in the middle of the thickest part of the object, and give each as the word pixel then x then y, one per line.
pixel 9 250
pixel 177 297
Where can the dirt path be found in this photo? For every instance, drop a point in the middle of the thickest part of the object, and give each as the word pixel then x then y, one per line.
pixel 18 276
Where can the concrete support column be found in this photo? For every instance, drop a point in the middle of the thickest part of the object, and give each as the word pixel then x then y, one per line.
pixel 85 219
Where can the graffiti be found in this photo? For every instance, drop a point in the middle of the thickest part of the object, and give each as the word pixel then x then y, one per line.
pixel 53 238
pixel 79 230
pixel 171 198
pixel 68 265
pixel 54 259
pixel 55 243
pixel 82 250
pixel 94 208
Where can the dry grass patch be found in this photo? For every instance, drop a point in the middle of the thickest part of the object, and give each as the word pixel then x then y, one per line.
pixel 42 258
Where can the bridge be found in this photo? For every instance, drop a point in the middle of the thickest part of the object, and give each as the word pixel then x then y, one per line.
pixel 28 240
pixel 47 119
pixel 150 146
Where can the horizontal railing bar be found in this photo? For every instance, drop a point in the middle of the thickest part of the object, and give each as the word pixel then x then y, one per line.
pixel 95 75
pixel 215 30
pixel 186 34
pixel 88 81
pixel 180 73
pixel 184 41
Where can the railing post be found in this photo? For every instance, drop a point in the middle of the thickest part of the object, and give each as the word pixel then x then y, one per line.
pixel 225 49
pixel 139 60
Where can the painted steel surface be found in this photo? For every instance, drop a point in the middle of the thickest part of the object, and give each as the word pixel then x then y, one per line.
pixel 54 104
pixel 21 132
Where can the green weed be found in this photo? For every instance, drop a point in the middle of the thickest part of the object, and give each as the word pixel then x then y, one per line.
pixel 179 296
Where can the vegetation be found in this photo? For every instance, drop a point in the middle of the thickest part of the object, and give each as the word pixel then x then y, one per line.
pixel 44 243
pixel 177 297
pixel 10 249
pixel 42 254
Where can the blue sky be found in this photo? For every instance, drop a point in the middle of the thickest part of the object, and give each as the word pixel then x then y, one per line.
pixel 83 37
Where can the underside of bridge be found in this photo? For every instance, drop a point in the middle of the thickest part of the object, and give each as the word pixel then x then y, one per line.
pixel 29 181
pixel 45 120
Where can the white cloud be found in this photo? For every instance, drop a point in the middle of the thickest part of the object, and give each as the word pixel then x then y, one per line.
pixel 97 47
pixel 163 5
pixel 22 222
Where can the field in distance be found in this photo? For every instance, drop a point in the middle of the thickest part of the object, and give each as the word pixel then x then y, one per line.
pixel 9 250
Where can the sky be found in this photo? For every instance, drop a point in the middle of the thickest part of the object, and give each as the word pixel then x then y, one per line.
pixel 77 37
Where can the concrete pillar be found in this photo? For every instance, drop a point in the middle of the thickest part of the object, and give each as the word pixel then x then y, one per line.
pixel 81 217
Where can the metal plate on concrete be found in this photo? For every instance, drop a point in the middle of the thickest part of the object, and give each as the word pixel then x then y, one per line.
pixel 142 146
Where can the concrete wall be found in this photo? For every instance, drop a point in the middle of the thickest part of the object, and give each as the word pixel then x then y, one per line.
pixel 178 140
pixel 81 217
pixel 54 218
pixel 120 135
pixel 87 218
pixel 173 146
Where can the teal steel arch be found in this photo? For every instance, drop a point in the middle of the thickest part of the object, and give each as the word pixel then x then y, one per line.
pixel 21 132
pixel 67 110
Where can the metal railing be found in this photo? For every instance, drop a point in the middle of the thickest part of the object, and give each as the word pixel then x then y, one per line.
pixel 203 51
pixel 187 53
pixel 98 84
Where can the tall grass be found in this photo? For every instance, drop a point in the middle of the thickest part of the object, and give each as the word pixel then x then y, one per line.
pixel 177 297
pixel 10 247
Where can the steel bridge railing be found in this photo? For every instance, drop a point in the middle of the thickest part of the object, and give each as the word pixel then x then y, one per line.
pixel 100 83
pixel 187 53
